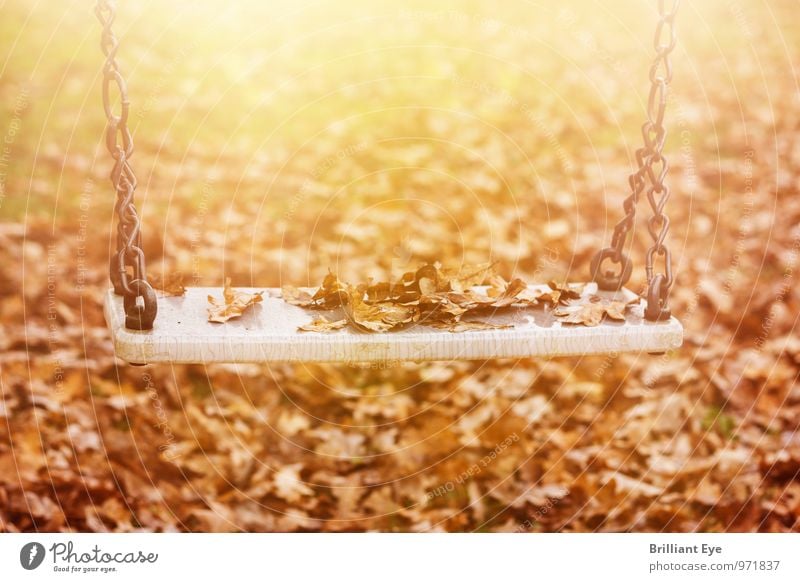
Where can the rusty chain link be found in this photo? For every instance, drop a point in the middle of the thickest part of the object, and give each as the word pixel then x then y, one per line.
pixel 139 298
pixel 652 167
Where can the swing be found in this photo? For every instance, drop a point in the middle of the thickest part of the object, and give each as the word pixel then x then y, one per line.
pixel 149 329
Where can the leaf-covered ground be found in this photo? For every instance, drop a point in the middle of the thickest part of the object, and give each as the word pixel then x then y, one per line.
pixel 277 142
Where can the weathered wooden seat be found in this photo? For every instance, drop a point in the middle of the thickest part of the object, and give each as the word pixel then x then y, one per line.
pixel 268 332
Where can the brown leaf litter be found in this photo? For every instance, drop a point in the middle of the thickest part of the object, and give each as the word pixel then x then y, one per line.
pixel 442 297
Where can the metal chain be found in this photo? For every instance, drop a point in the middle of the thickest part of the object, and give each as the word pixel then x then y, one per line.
pixel 139 298
pixel 652 167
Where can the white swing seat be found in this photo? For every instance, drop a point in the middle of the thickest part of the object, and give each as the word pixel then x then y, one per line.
pixel 268 332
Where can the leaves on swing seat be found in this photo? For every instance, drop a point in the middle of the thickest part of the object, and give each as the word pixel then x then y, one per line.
pixel 234 303
pixel 431 295
pixel 171 285
pixel 441 297
pixel 591 312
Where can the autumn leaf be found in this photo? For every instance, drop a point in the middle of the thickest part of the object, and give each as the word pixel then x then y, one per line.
pixel 380 292
pixel 513 294
pixel 427 286
pixel 331 293
pixel 591 312
pixel 468 276
pixel 321 324
pixel 497 286
pixel 328 295
pixel 378 317
pixel 559 294
pixel 288 484
pixel 428 278
pixel 234 303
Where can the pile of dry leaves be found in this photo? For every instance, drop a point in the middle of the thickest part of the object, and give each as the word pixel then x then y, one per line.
pixel 442 298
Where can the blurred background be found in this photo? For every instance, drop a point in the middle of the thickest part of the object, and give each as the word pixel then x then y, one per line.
pixel 276 141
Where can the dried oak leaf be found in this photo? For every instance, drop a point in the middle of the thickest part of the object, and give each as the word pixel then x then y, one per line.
pixel 236 302
pixel 561 294
pixel 379 317
pixel 591 312
pixel 438 308
pixel 467 276
pixel 470 299
pixel 516 292
pixel 402 292
pixel 497 286
pixel 381 292
pixel 330 294
pixel 428 278
pixel 289 485
pixel 171 285
pixel 322 324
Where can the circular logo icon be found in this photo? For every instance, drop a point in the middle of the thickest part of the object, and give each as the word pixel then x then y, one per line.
pixel 31 555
